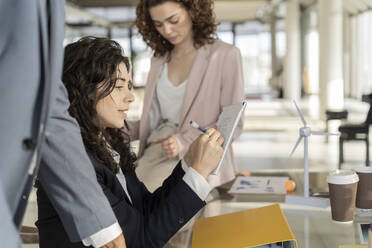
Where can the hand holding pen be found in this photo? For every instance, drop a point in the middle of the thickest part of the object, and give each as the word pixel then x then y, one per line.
pixel 197 126
pixel 205 152
pixel 202 129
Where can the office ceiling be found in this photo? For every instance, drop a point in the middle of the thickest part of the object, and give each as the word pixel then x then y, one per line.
pixel 226 10
pixel 121 13
pixel 357 6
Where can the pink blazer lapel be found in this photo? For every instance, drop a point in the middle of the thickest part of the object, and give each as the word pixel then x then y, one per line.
pixel 195 80
pixel 152 80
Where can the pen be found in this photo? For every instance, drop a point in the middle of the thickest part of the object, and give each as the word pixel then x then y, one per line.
pixel 196 125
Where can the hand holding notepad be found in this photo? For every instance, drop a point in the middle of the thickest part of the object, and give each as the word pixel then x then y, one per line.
pixel 226 124
pixel 205 152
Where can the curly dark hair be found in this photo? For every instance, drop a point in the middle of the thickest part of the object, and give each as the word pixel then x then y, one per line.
pixel 91 64
pixel 202 17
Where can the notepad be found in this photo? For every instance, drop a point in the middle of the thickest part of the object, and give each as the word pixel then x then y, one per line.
pixel 250 228
pixel 226 124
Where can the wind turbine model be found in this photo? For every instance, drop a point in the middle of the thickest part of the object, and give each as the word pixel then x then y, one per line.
pixel 305 132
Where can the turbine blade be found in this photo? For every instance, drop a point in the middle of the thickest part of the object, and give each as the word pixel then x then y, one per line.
pixel 301 115
pixel 297 143
pixel 324 133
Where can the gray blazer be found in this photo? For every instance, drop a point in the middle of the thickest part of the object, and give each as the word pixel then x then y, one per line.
pixel 32 97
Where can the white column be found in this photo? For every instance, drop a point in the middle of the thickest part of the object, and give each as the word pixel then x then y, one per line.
pixel 292 65
pixel 331 83
pixel 274 59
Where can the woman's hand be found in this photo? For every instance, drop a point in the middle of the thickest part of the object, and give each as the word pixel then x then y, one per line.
pixel 205 152
pixel 169 145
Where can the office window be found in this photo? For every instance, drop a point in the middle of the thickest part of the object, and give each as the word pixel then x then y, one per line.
pixel 361 54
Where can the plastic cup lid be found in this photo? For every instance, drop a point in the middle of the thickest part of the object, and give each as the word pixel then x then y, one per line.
pixel 342 177
pixel 363 170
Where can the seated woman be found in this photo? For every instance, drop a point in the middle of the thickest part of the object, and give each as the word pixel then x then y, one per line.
pixel 97 78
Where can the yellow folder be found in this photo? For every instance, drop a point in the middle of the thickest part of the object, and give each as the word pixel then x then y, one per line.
pixel 249 228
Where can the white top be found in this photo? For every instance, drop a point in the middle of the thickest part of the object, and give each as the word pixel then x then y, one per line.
pixel 170 97
pixel 192 178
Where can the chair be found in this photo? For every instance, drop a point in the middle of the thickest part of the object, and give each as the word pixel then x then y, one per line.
pixel 355 132
pixel 335 115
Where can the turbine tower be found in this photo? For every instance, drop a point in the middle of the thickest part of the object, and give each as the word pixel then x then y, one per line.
pixel 305 132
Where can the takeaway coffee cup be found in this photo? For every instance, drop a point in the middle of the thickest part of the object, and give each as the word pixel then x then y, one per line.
pixel 342 191
pixel 364 192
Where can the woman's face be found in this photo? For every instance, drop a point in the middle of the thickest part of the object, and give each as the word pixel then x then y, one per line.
pixel 172 21
pixel 111 110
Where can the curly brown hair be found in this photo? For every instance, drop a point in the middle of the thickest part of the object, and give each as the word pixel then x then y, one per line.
pixel 203 24
pixel 91 64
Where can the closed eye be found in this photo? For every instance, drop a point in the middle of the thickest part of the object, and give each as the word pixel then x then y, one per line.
pixel 173 21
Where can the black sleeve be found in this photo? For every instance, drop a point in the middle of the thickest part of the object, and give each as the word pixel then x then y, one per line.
pixel 150 200
pixel 153 218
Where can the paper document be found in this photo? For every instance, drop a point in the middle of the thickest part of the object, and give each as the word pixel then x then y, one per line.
pixel 226 124
pixel 259 185
pixel 363 212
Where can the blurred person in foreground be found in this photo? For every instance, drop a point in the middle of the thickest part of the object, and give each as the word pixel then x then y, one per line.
pixel 36 129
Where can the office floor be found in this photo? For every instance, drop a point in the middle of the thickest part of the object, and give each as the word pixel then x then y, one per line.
pixel 270 132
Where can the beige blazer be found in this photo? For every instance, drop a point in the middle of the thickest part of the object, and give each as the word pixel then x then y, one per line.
pixel 215 81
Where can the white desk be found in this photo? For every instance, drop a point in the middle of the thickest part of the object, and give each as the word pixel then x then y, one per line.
pixel 312 227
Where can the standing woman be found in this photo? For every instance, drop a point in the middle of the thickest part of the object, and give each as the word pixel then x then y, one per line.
pixel 193 76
